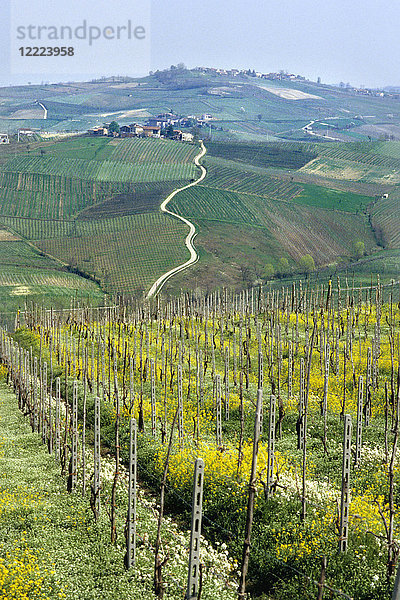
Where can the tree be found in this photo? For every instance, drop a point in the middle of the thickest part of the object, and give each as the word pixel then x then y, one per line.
pixel 259 117
pixel 358 249
pixel 307 264
pixel 169 132
pixel 114 127
pixel 283 266
pixel 269 271
pixel 195 131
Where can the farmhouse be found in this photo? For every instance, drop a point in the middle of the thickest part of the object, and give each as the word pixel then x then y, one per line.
pixel 23 131
pixel 131 130
pixel 163 120
pixel 183 136
pixel 4 139
pixel 98 131
pixel 149 131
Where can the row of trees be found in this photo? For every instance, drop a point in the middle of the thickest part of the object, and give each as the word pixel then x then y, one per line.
pixel 305 264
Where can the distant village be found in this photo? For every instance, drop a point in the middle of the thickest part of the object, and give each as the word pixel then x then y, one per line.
pixel 281 76
pixel 166 125
pixel 285 76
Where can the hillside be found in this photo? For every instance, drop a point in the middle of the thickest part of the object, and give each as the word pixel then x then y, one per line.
pixel 243 107
pixel 280 184
pixel 93 204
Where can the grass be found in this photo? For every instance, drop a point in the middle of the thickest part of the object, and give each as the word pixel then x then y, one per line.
pixel 50 546
pixel 27 275
pixel 330 199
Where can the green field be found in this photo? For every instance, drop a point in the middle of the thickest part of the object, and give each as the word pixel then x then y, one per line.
pixel 313 195
pixel 28 275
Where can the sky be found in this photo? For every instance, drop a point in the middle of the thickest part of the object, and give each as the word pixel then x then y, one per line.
pixel 338 40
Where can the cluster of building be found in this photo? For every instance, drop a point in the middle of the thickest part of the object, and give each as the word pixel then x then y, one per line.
pixel 133 130
pixel 163 125
pixel 281 76
pixel 375 93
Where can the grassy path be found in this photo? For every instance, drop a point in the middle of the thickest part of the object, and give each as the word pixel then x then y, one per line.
pixel 50 545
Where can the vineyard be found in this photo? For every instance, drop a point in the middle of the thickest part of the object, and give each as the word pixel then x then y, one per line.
pixel 93 204
pixel 280 155
pixel 142 151
pixel 228 178
pixel 298 230
pixel 290 398
pixel 385 217
pixel 106 170
pixel 125 253
pixel 303 198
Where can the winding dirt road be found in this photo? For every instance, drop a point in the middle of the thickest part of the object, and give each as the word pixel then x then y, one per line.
pixel 157 285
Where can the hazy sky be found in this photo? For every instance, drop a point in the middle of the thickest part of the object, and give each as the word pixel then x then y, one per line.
pixel 339 40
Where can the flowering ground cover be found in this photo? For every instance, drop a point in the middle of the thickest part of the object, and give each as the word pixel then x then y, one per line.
pixel 52 549
pixel 201 360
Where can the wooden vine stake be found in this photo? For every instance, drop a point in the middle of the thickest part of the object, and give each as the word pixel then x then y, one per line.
pixel 193 582
pixel 218 410
pixel 345 495
pixel 35 396
pixel 57 420
pixel 180 405
pixel 95 495
pixel 250 502
pixel 357 459
pixel 130 531
pixel 73 474
pixel 153 398
pixel 271 447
